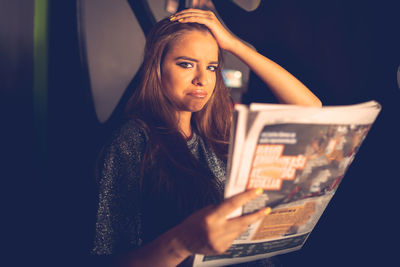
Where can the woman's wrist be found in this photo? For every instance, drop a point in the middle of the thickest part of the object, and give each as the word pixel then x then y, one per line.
pixel 239 49
pixel 173 246
pixel 233 45
pixel 166 250
pixel 176 244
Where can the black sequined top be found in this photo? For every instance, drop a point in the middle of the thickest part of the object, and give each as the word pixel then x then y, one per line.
pixel 120 219
pixel 119 225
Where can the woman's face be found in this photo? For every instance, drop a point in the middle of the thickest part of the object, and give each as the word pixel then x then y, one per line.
pixel 188 70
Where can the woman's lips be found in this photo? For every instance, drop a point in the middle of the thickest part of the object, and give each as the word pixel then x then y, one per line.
pixel 197 93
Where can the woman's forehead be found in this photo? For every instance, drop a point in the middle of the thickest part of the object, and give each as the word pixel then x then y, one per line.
pixel 196 44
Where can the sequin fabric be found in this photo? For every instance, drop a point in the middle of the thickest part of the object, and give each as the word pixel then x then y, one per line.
pixel 119 214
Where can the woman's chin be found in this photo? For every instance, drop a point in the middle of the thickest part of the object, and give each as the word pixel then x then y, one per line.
pixel 195 107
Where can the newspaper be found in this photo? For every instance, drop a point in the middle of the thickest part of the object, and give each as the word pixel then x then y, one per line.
pixel 299 156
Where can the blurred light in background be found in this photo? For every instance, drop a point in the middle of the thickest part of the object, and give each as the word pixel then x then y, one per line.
pixel 232 78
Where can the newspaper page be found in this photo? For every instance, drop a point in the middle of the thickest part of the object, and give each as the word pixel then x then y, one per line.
pixel 299 156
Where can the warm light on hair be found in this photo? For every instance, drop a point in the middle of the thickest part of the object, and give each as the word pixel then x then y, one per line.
pixel 151 104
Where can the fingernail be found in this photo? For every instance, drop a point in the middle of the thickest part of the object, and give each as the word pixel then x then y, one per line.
pixel 259 191
pixel 180 20
pixel 172 18
pixel 267 211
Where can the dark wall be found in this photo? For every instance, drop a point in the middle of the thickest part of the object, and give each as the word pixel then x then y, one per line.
pixel 16 124
pixel 345 51
pixel 16 76
pixel 74 134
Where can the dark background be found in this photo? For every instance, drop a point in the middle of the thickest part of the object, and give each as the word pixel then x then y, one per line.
pixel 344 51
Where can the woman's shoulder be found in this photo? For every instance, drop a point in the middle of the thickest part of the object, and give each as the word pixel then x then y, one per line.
pixel 130 137
pixel 131 130
pixel 124 149
pixel 132 127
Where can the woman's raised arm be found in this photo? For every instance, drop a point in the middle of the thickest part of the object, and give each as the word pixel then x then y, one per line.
pixel 286 88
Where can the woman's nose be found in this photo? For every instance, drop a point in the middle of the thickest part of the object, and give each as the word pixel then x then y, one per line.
pixel 200 79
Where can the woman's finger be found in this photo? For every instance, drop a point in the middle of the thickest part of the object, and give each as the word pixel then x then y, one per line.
pixel 192 13
pixel 192 18
pixel 237 201
pixel 208 22
pixel 251 218
pixel 236 226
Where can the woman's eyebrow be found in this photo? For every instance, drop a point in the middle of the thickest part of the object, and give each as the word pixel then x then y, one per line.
pixel 194 60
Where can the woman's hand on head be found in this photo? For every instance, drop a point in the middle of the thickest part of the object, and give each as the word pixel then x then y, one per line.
pixel 224 38
pixel 209 231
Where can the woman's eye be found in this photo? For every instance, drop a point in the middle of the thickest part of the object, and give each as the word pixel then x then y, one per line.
pixel 185 65
pixel 212 68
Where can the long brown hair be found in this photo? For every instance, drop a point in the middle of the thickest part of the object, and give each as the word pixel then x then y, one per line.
pixel 175 183
pixel 151 104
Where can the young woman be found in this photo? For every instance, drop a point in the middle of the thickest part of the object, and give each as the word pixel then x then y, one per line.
pixel 161 175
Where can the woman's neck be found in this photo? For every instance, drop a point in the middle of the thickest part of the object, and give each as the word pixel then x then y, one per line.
pixel 184 124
